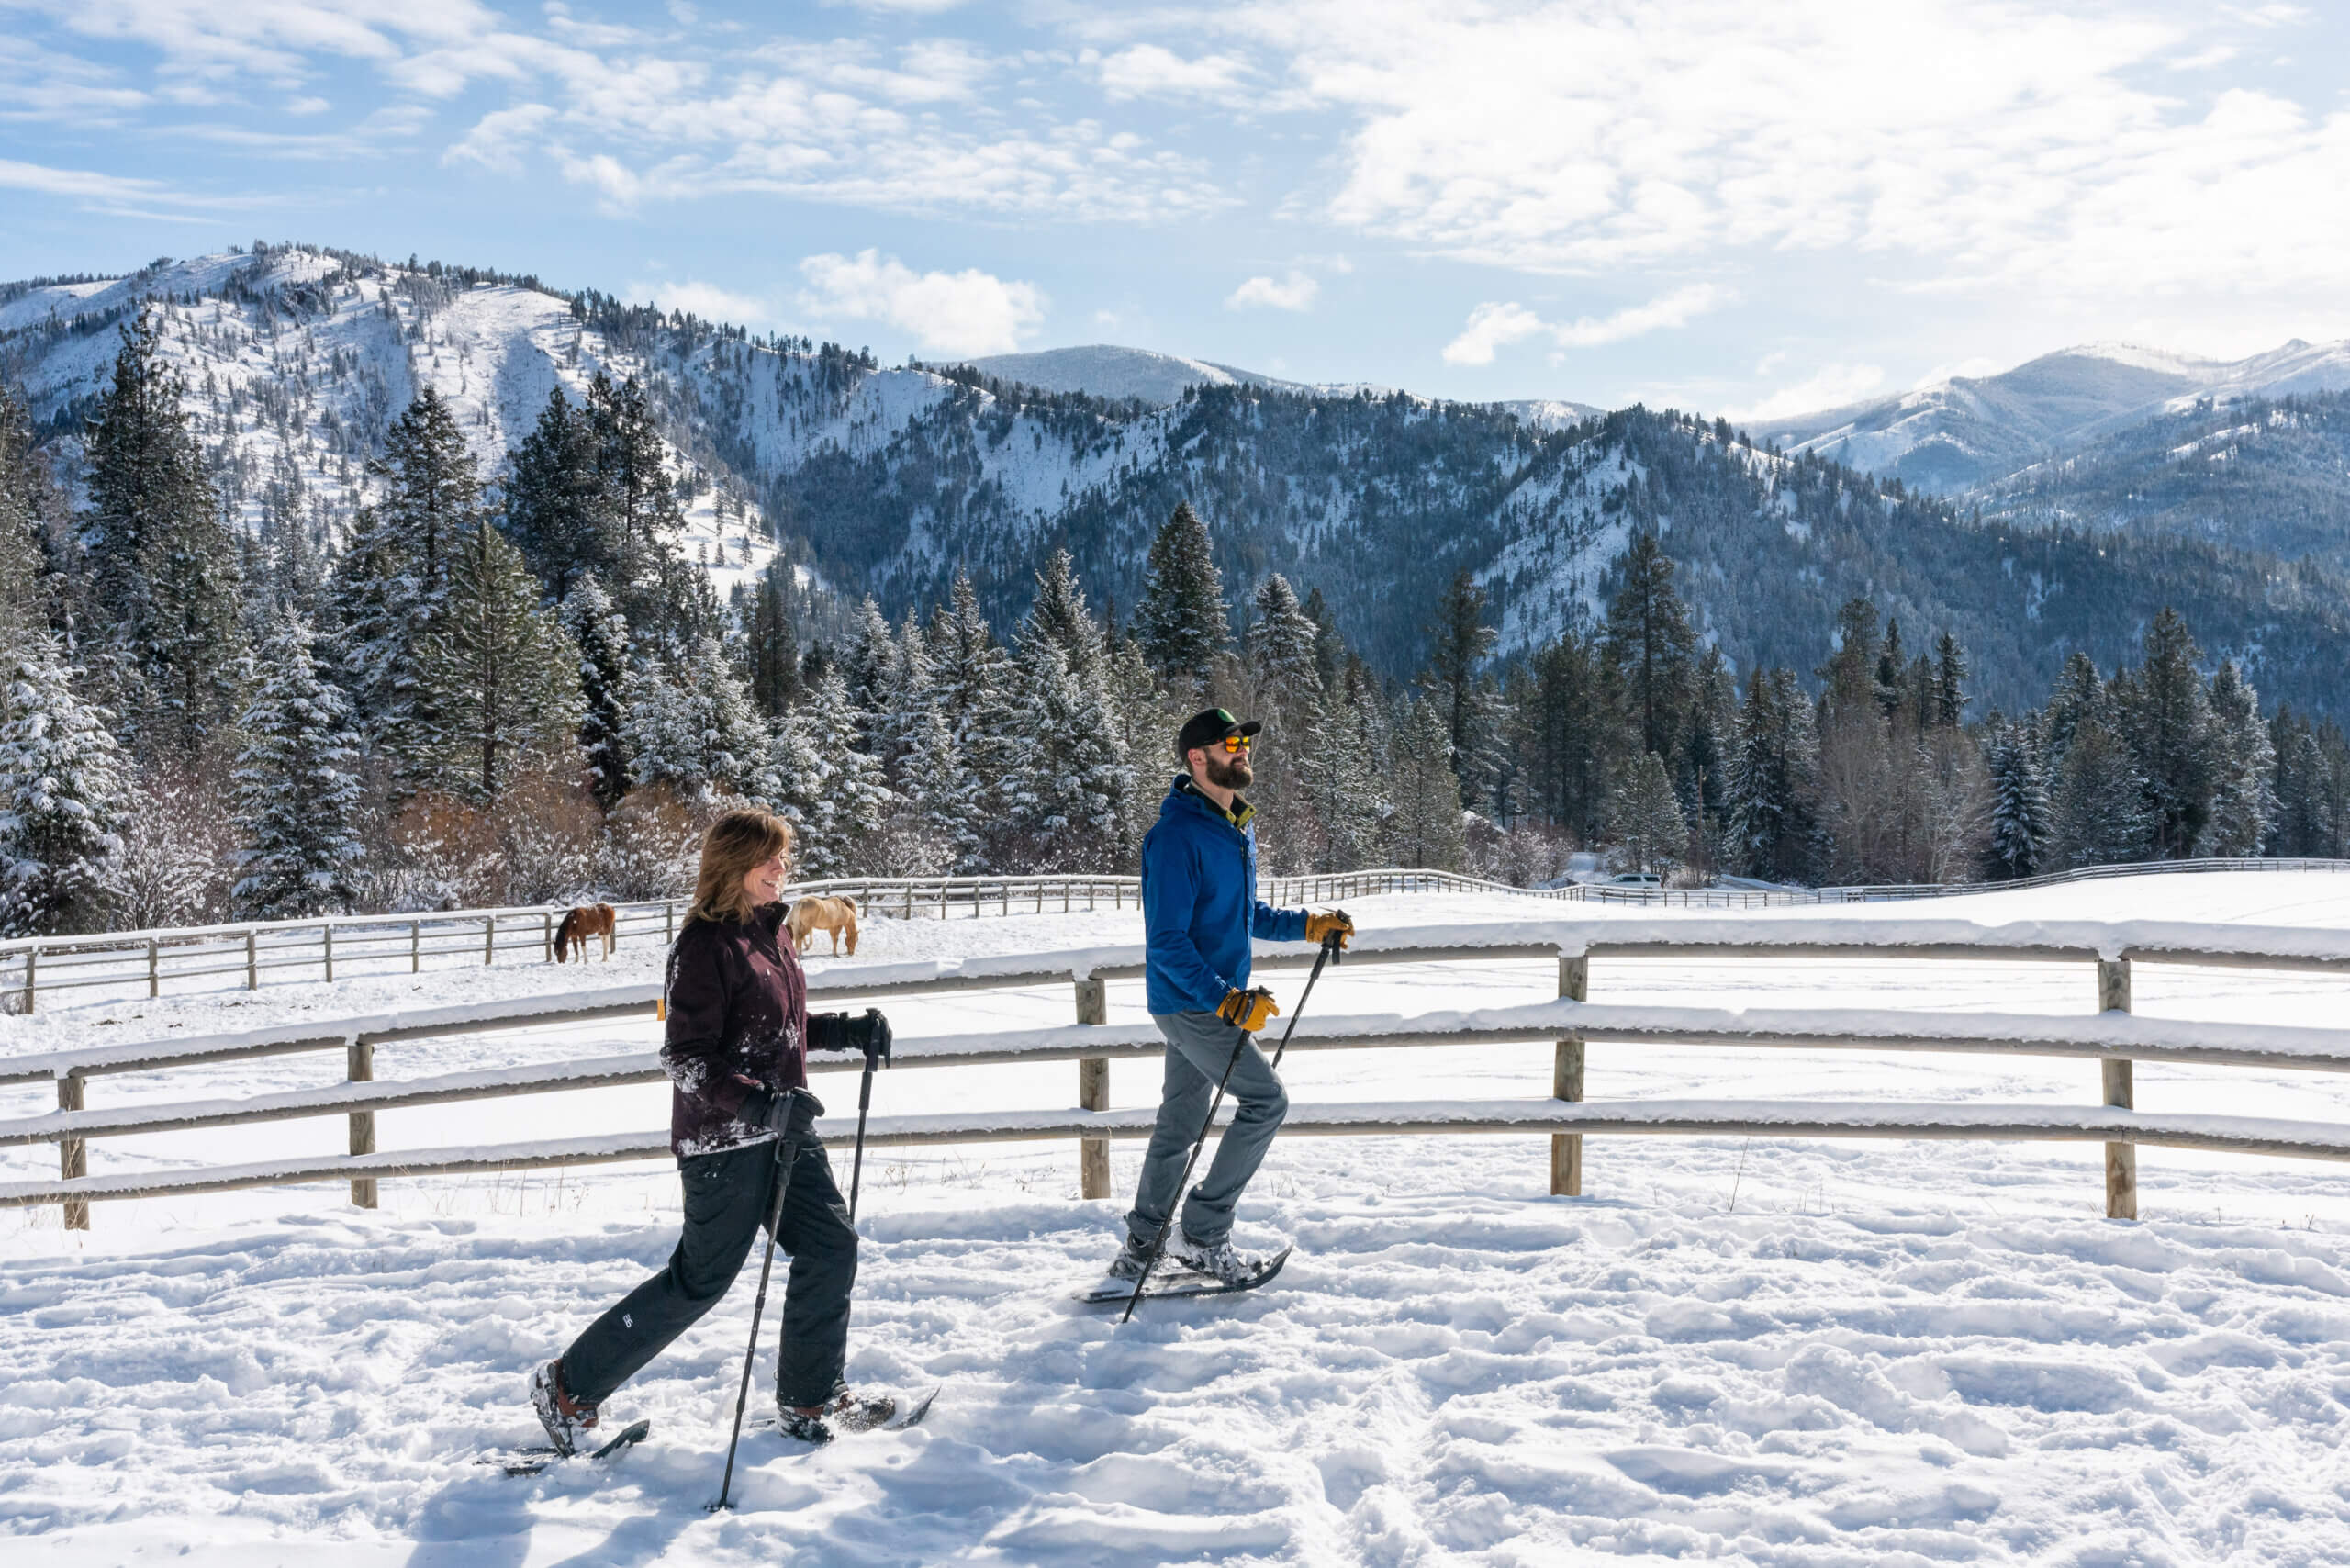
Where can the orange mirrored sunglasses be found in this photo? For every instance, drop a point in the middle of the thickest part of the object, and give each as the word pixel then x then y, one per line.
pixel 1235 745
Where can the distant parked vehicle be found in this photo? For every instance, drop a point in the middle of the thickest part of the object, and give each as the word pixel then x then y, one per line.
pixel 1636 879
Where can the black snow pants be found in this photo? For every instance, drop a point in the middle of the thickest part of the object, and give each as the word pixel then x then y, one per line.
pixel 727 1198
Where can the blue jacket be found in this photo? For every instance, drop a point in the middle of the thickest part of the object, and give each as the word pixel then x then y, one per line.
pixel 1200 903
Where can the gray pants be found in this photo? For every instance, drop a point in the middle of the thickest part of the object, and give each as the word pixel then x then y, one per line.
pixel 1198 1048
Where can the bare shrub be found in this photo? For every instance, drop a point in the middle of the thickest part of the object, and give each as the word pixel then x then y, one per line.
pixel 178 846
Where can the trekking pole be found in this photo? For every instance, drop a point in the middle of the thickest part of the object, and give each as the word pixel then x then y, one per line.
pixel 787 1151
pixel 864 1103
pixel 1158 1245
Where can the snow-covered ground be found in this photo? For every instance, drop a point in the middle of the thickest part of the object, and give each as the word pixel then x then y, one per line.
pixel 1750 1350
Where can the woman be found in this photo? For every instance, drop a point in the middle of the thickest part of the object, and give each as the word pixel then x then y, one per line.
pixel 736 1055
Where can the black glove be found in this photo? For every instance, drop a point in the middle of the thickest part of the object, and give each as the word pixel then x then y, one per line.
pixel 840 1032
pixel 791 1113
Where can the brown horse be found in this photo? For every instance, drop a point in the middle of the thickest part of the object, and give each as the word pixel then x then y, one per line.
pixel 579 924
pixel 837 916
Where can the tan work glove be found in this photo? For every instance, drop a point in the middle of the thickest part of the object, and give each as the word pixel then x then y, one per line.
pixel 1247 1009
pixel 1327 920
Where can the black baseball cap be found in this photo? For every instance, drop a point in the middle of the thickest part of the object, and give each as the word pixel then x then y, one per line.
pixel 1203 730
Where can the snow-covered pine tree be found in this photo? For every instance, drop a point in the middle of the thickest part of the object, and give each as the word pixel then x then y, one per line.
pixel 867 666
pixel 2077 693
pixel 1147 719
pixel 943 802
pixel 297 788
pixel 432 499
pixel 1281 645
pixel 1647 818
pixel 855 802
pixel 974 684
pixel 909 697
pixel 2098 808
pixel 599 632
pixel 1346 788
pixel 802 770
pixel 64 790
pixel 164 583
pixel 691 726
pixel 555 498
pixel 2021 827
pixel 1425 830
pixel 1773 831
pixel 1459 641
pixel 1063 794
pixel 500 677
pixel 646 574
pixel 28 501
pixel 1182 623
pixel 1059 615
pixel 2243 803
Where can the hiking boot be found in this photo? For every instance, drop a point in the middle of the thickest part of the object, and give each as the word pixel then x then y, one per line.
pixel 1128 1265
pixel 1215 1259
pixel 571 1426
pixel 808 1429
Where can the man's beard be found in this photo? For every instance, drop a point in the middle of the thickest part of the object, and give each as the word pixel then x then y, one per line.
pixel 1230 773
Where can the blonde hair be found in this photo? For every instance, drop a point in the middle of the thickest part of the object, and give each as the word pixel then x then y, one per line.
pixel 736 845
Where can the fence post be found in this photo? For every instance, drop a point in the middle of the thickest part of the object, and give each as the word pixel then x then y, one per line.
pixel 1093 1092
pixel 1566 1080
pixel 416 946
pixel 73 1153
pixel 252 960
pixel 327 941
pixel 668 921
pixel 488 940
pixel 154 978
pixel 546 936
pixel 2120 1158
pixel 32 958
pixel 361 1055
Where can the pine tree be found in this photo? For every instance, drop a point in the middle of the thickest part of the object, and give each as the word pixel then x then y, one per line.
pixel 1182 624
pixel 498 675
pixel 1892 687
pixel 646 574
pixel 379 626
pixel 2021 825
pixel 1063 793
pixel 1346 788
pixel 945 797
pixel 2078 693
pixel 774 639
pixel 28 501
pixel 1329 647
pixel 850 816
pixel 1459 641
pixel 64 793
pixel 2098 807
pixel 555 510
pixel 1647 820
pixel 1850 672
pixel 691 726
pixel 2243 801
pixel 599 632
pixel 297 788
pixel 1949 682
pixel 1650 648
pixel 1773 831
pixel 1059 615
pixel 2166 718
pixel 1283 645
pixel 1425 830
pixel 431 492
pixel 802 770
pixel 866 668
pixel 974 682
pixel 164 564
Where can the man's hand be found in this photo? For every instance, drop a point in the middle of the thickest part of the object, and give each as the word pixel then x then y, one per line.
pixel 1327 923
pixel 1247 1009
pixel 792 1114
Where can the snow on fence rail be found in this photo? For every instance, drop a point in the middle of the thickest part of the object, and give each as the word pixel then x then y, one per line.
pixel 2113 1037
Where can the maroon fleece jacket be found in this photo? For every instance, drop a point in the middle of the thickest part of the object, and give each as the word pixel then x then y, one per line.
pixel 738 1023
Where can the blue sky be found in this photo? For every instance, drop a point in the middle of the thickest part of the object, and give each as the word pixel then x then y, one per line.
pixel 1729 207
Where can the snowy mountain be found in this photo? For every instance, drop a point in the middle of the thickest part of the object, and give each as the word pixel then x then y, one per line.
pixel 891 481
pixel 1966 432
pixel 1106 371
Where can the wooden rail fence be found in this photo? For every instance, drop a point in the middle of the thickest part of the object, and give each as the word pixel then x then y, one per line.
pixel 1570 1023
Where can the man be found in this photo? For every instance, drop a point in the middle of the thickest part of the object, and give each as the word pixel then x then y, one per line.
pixel 1200 908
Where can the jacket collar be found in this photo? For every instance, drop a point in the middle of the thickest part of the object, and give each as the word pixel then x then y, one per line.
pixel 1239 817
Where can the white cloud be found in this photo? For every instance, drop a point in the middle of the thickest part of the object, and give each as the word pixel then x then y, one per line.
pixel 711 302
pixel 1147 71
pixel 2037 150
pixel 105 192
pixel 1832 387
pixel 1493 327
pixel 1293 292
pixel 970 312
pixel 500 139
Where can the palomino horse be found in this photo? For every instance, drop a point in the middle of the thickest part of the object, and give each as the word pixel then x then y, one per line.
pixel 837 916
pixel 579 924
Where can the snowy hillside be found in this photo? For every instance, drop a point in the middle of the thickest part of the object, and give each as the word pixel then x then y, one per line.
pixel 1754 1350
pixel 1104 370
pixel 1971 430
